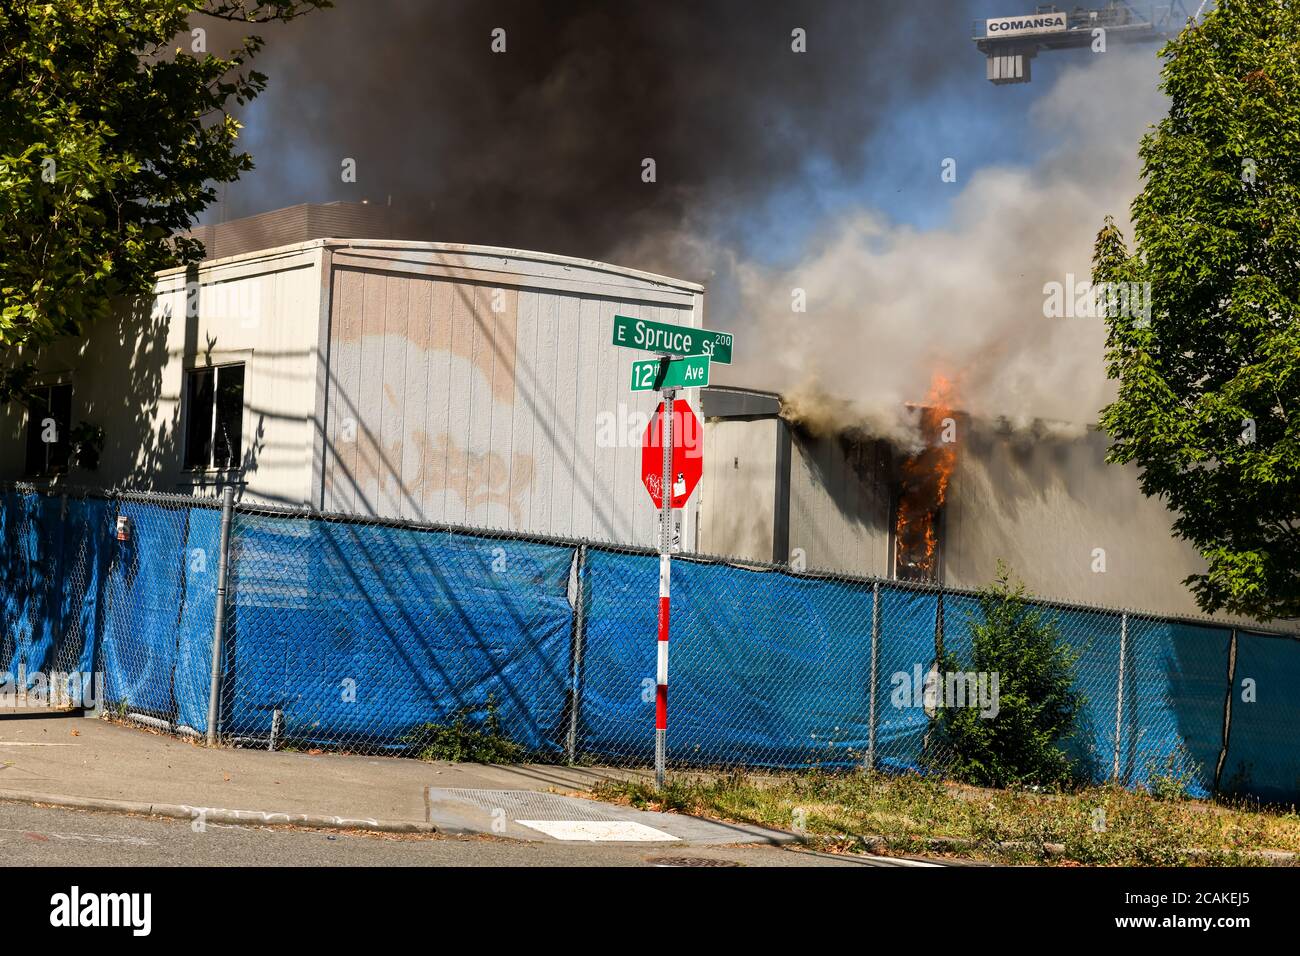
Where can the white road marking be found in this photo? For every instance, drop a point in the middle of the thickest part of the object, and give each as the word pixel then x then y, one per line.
pixel 626 831
pixel 900 861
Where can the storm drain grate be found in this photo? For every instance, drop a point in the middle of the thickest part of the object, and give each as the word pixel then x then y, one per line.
pixel 688 861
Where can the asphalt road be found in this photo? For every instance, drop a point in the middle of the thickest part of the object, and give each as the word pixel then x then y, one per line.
pixel 44 836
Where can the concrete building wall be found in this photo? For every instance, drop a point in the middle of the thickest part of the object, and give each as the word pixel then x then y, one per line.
pixel 481 387
pixel 127 376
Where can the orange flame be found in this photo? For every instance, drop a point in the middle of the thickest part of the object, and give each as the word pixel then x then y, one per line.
pixel 924 487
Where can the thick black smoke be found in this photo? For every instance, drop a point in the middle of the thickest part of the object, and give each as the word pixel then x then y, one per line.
pixel 541 146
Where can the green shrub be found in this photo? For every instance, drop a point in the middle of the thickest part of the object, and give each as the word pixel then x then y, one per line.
pixel 1172 777
pixel 464 741
pixel 1036 700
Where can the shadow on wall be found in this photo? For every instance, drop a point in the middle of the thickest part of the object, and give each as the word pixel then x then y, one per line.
pixel 124 372
pixel 116 369
pixel 127 365
pixel 853 474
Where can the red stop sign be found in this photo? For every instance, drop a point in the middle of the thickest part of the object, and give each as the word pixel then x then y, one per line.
pixel 688 454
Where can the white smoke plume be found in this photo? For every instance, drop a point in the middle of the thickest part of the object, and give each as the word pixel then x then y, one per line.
pixel 889 306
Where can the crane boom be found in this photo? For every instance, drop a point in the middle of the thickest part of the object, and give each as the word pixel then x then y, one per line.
pixel 1011 43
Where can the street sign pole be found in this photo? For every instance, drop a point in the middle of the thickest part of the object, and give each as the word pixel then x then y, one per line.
pixel 665 576
pixel 684 356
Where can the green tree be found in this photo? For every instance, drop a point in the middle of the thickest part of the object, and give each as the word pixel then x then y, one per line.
pixel 1019 739
pixel 111 138
pixel 1208 404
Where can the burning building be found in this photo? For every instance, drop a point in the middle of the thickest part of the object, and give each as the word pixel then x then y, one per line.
pixel 972 492
pixel 477 386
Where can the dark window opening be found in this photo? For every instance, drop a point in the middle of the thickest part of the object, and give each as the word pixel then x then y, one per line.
pixel 49 423
pixel 214 400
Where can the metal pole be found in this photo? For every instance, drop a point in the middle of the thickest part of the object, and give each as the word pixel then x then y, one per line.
pixel 579 640
pixel 875 648
pixel 219 616
pixel 1119 694
pixel 665 575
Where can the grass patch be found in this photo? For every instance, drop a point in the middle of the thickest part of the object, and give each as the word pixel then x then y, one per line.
pixel 1106 826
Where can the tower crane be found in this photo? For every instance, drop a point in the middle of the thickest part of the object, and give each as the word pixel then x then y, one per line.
pixel 1011 43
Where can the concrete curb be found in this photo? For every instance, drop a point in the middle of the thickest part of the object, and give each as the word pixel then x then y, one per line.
pixel 217 814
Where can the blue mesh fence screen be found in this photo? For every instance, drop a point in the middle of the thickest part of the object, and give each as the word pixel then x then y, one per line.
pixel 347 634
pixel 1175 677
pixel 362 632
pixel 53 555
pixel 143 622
pixel 29 611
pixel 1263 759
pixel 199 566
pixel 732 630
pixel 906 652
pixel 87 550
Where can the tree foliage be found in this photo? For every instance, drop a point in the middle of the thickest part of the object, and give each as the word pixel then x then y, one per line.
pixel 113 131
pixel 1208 404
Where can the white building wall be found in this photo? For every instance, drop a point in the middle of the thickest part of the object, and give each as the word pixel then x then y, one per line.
pixel 1071 526
pixel 739 488
pixel 839 504
pixel 480 387
pixel 127 376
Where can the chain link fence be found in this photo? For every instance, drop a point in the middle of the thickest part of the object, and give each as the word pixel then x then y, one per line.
pixel 363 635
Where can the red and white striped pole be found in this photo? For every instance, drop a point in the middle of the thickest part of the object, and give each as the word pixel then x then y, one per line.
pixel 665 576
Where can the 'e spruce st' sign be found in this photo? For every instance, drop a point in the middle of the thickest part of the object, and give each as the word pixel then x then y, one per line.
pixel 668 339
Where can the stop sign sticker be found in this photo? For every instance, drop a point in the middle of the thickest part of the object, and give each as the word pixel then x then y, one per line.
pixel 688 454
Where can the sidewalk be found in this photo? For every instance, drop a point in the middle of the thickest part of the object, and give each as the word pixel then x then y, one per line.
pixel 80 762
pixel 81 757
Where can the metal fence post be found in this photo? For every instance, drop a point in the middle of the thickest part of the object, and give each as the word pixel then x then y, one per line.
pixel 1119 694
pixel 579 644
pixel 219 615
pixel 871 698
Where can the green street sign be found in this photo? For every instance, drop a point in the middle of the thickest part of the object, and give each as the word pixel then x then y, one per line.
pixel 671 339
pixel 654 374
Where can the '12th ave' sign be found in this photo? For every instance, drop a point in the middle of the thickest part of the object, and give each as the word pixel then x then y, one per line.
pixel 671 339
pixel 656 374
